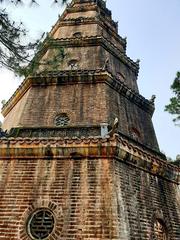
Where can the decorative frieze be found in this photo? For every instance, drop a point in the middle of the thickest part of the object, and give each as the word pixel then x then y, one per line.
pixel 61 132
pixel 89 147
pixel 97 40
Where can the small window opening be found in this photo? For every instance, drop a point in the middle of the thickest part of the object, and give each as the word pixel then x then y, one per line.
pixel 135 133
pixel 73 64
pixel 40 224
pixel 61 120
pixel 120 76
pixel 77 35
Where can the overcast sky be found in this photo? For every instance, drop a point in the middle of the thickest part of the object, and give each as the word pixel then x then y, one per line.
pixel 153 36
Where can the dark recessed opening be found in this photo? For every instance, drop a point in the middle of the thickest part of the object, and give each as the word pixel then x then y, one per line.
pixel 40 224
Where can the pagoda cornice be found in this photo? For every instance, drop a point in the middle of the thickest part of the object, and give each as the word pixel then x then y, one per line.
pixel 82 20
pixel 115 147
pixel 103 18
pixel 85 6
pixel 78 77
pixel 90 20
pixel 92 41
pixel 76 21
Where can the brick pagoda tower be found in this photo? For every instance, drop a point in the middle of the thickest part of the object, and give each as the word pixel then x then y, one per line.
pixel 81 159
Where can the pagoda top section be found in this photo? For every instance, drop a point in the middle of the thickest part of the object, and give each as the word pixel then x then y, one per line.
pixel 99 3
pixel 88 9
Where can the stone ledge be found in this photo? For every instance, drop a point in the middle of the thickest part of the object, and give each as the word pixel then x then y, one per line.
pixel 66 131
pixel 74 77
pixel 88 5
pixel 75 132
pixel 92 41
pixel 91 20
pixel 88 147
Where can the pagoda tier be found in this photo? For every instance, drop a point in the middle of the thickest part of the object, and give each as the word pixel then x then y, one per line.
pixel 93 83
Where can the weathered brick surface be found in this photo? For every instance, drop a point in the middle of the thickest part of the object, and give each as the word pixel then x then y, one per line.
pixel 131 117
pixel 13 118
pixel 99 48
pixel 97 198
pixel 98 188
pixel 82 103
pixel 85 104
pixel 139 196
pixel 68 31
pixel 81 188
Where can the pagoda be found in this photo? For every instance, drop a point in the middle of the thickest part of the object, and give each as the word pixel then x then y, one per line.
pixel 79 158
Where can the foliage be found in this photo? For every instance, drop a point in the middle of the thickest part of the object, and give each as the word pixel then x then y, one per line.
pixel 17 2
pixel 15 54
pixel 174 106
pixel 175 162
pixel 12 50
pixel 38 65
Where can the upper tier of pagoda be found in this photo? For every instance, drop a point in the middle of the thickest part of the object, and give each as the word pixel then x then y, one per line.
pixel 82 79
pixel 90 41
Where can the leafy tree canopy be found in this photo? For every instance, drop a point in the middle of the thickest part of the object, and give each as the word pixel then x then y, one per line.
pixel 15 54
pixel 174 106
pixel 176 161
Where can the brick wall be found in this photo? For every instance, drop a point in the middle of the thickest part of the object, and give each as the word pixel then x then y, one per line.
pixel 84 104
pixel 14 116
pixel 139 196
pixel 91 197
pixel 80 188
pixel 131 117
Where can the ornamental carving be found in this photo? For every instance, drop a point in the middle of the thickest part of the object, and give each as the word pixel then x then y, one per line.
pixel 160 231
pixel 61 120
